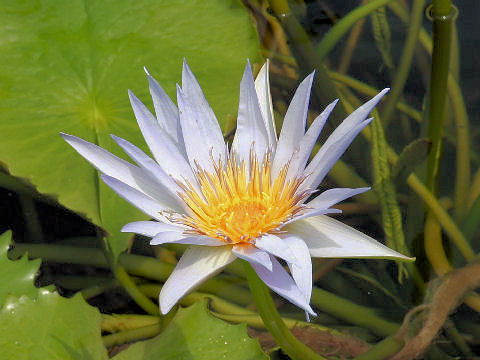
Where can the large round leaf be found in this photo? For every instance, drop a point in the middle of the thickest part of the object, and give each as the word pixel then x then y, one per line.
pixel 67 65
pixel 16 277
pixel 194 334
pixel 50 327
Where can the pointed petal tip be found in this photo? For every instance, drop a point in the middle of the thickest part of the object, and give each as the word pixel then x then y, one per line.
pixel 146 71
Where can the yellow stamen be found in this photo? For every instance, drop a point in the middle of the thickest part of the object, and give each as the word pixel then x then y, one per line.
pixel 236 206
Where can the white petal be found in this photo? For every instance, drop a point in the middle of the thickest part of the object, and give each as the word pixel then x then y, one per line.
pixel 149 228
pixel 251 131
pixel 165 110
pixel 328 155
pixel 163 148
pixel 181 238
pixel 201 142
pixel 104 161
pixel 305 147
pixel 253 255
pixel 201 132
pixel 167 237
pixel 136 198
pixel 338 141
pixel 122 170
pixel 333 196
pixel 279 281
pixel 329 238
pixel 167 187
pixel 275 246
pixel 197 264
pixel 310 213
pixel 301 268
pixel 262 87
pixel 293 128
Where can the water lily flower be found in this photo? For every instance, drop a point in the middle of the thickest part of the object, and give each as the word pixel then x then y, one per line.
pixel 249 201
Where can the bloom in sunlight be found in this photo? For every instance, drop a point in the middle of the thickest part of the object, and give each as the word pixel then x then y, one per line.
pixel 249 202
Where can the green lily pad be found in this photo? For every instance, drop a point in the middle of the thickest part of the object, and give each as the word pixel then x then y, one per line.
pixel 51 327
pixel 17 277
pixel 194 334
pixel 67 65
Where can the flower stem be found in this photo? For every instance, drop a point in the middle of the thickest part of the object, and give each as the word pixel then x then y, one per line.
pixel 144 302
pixel 405 61
pixel 351 312
pixel 273 322
pixel 341 27
pixel 123 337
pixel 382 350
pixel 442 13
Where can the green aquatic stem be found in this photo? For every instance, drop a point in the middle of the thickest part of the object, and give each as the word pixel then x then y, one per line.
pixel 442 14
pixel 460 115
pixel 405 62
pixel 341 28
pixel 363 88
pixel 472 220
pixel 382 350
pixel 129 285
pixel 273 322
pixel 121 322
pixel 307 58
pixel 126 336
pixel 352 313
pixel 143 266
pixel 445 220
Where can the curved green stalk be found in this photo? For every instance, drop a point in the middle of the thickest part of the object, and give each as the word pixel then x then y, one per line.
pixel 371 91
pixel 460 115
pixel 442 14
pixel 405 63
pixel 382 350
pixel 273 322
pixel 306 57
pixel 129 285
pixel 341 27
pixel 353 313
pixel 123 337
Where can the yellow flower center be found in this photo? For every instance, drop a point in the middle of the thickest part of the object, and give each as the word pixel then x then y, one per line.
pixel 236 206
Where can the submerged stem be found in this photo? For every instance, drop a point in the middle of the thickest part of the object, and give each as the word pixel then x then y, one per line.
pixel 273 322
pixel 442 26
pixel 144 302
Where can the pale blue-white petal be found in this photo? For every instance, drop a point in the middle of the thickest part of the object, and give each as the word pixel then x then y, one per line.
pixel 197 265
pixel 166 112
pixel 279 281
pixel 329 238
pixel 274 245
pixel 251 133
pixel 181 238
pixel 301 268
pixel 253 255
pixel 149 228
pixel 310 213
pixel 331 197
pixel 165 151
pixel 328 155
pixel 167 237
pixel 338 142
pixel 201 132
pixel 293 128
pixel 262 87
pixel 305 146
pixel 201 141
pixel 143 202
pixel 122 170
pixel 167 185
pixel 104 161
